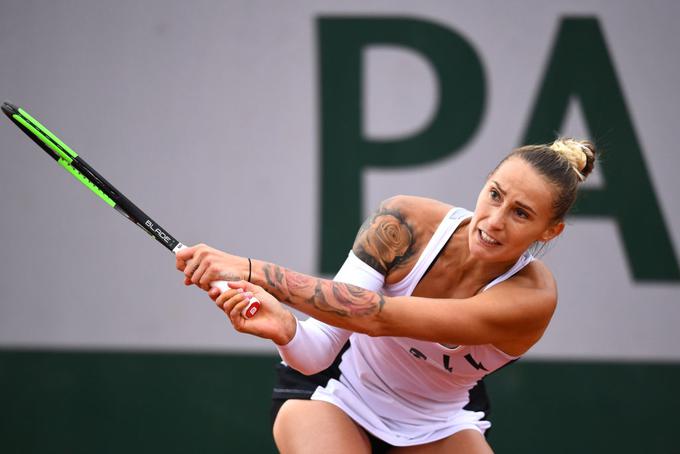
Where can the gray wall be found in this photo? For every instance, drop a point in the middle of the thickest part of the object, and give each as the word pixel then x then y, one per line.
pixel 207 115
pixel 214 118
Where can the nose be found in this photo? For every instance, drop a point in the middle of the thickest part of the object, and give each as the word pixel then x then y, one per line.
pixel 496 220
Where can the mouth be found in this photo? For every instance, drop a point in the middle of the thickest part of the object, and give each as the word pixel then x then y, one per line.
pixel 487 239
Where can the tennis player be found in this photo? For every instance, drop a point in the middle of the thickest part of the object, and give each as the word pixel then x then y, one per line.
pixel 431 298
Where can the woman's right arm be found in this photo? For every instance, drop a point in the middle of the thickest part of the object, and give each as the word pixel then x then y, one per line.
pixel 384 242
pixel 386 245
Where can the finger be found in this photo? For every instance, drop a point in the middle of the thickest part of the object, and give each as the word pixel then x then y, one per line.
pixel 185 253
pixel 247 286
pixel 214 293
pixel 231 302
pixel 224 296
pixel 180 264
pixel 237 320
pixel 191 267
pixel 229 305
pixel 187 281
pixel 241 302
pixel 200 270
pixel 192 262
pixel 210 274
pixel 201 251
pixel 243 285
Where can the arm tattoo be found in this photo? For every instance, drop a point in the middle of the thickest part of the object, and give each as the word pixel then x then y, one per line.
pixel 344 300
pixel 230 277
pixel 385 240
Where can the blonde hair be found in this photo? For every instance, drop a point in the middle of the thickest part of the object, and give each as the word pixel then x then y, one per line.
pixel 579 153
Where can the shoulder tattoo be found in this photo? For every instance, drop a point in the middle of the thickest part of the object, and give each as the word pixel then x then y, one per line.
pixel 385 240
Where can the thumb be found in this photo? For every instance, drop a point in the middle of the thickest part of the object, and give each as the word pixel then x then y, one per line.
pixel 185 253
pixel 244 285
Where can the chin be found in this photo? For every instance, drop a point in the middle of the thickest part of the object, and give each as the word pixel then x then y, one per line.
pixel 481 252
pixel 484 255
pixel 495 254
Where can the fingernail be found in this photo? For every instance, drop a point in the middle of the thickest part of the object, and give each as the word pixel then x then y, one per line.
pixel 248 295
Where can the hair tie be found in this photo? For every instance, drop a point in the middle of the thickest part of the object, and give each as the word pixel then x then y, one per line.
pixel 574 152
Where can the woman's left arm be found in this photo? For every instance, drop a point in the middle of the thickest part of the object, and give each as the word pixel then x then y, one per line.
pixel 519 308
pixel 516 309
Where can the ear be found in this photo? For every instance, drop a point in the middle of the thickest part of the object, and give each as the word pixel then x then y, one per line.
pixel 552 231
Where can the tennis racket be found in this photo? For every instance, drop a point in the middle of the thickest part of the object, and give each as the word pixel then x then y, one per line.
pixel 76 166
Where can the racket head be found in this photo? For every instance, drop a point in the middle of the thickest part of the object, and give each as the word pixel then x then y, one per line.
pixel 83 172
pixel 57 150
pixel 42 136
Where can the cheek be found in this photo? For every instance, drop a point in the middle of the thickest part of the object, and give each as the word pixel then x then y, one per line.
pixel 482 207
pixel 520 234
pixel 529 234
pixel 480 196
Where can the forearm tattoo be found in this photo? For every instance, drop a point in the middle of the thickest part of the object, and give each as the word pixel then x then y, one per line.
pixel 297 289
pixel 385 240
pixel 230 276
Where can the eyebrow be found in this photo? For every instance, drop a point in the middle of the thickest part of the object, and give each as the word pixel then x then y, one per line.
pixel 523 205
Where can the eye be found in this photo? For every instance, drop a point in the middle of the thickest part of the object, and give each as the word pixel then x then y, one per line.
pixel 521 213
pixel 493 193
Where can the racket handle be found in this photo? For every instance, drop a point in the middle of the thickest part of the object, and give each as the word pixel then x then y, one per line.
pixel 253 305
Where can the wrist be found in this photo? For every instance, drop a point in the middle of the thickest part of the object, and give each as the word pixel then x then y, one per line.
pixel 289 330
pixel 256 273
pixel 259 277
pixel 271 278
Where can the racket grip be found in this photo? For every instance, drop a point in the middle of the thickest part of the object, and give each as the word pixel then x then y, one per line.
pixel 253 305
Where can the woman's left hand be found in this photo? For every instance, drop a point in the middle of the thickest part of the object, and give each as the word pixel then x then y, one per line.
pixel 202 265
pixel 272 321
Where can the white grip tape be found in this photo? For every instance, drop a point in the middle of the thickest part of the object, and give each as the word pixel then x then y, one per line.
pixel 253 305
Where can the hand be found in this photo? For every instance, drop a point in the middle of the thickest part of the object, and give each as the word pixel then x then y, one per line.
pixel 202 265
pixel 272 321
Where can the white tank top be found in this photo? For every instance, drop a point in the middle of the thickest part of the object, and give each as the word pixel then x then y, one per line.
pixel 406 391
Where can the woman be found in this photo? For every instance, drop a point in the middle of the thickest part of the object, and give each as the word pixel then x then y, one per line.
pixel 407 380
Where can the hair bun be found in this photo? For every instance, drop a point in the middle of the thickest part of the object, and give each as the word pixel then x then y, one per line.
pixel 579 153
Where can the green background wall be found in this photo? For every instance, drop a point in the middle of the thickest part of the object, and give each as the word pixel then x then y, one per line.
pixel 94 402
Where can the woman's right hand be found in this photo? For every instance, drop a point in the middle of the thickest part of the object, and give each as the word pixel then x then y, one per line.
pixel 272 321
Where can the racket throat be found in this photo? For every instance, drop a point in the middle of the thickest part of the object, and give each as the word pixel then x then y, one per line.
pixel 153 230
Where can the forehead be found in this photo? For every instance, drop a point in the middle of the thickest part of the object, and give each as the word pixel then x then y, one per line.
pixel 522 182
